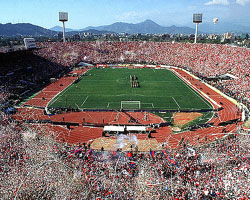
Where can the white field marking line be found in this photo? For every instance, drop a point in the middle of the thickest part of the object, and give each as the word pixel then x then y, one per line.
pixel 142 95
pixel 84 101
pixel 176 103
pixel 108 105
pixel 153 105
pixel 105 95
pixel 59 94
pixel 162 81
pixel 208 98
pixel 98 80
pixel 205 116
pixel 192 89
pixel 55 98
pixel 77 106
pixel 214 89
pixel 51 91
pixel 117 95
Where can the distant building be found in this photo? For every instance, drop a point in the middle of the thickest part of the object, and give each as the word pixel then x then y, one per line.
pixel 87 34
pixel 123 34
pixel 246 42
pixel 60 35
pixel 191 36
pixel 228 37
pixel 76 37
pixel 244 36
pixel 165 36
pixel 29 43
pixel 123 39
pixel 213 37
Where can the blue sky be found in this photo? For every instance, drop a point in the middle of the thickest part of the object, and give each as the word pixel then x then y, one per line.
pixel 83 13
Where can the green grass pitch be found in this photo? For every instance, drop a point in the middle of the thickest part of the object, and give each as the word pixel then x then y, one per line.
pixel 160 89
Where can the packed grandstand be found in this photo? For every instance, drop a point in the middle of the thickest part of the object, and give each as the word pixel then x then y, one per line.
pixel 64 153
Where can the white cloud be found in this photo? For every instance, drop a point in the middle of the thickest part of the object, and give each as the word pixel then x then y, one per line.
pixel 242 2
pixel 227 2
pixel 220 2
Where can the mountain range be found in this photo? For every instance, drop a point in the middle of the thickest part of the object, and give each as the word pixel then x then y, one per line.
pixel 73 32
pixel 24 29
pixel 146 27
pixel 59 29
pixel 150 26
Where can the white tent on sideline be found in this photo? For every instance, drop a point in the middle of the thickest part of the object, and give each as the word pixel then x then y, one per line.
pixel 113 128
pixel 136 128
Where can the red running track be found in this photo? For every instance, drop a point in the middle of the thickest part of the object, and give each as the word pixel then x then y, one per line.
pixel 47 94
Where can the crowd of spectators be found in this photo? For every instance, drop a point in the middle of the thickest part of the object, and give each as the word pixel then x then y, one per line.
pixel 34 166
pixel 37 167
pixel 205 60
pixel 22 73
pixel 212 172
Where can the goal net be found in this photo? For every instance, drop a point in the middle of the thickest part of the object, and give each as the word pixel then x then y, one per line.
pixel 131 105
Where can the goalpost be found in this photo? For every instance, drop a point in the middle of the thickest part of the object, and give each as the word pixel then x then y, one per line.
pixel 131 105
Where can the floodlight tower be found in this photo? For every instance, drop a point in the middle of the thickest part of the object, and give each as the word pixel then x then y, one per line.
pixel 197 18
pixel 63 17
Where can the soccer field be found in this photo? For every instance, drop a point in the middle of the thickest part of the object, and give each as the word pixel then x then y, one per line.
pixel 159 89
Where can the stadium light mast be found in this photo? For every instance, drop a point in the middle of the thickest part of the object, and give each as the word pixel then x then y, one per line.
pixel 63 17
pixel 197 18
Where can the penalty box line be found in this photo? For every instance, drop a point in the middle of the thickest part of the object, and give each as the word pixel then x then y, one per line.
pixel 152 104
pixel 84 101
pixel 112 103
pixel 176 103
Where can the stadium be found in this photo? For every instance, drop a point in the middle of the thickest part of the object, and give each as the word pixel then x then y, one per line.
pixel 126 120
pixel 98 95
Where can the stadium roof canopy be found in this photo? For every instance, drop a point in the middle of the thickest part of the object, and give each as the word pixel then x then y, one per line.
pixel 228 76
pixel 83 64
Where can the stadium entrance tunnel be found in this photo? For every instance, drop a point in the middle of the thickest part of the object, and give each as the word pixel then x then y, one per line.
pixel 229 122
pixel 200 126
